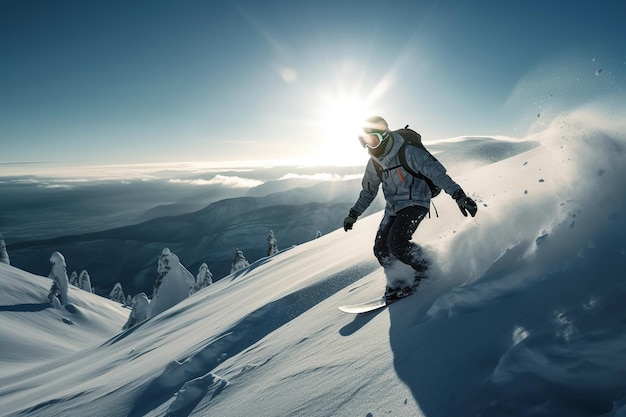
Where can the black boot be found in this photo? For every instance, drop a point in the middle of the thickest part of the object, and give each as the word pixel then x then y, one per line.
pixel 392 294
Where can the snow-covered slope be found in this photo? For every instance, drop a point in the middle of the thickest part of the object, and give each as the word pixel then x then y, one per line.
pixel 522 314
pixel 33 332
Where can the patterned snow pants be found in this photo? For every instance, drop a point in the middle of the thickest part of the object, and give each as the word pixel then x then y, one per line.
pixel 394 235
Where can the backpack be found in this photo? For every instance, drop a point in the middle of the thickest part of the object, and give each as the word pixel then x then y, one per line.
pixel 411 138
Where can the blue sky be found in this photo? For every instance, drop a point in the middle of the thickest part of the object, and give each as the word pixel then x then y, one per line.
pixel 117 82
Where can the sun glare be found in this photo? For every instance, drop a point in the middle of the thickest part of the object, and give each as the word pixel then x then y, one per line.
pixel 340 113
pixel 345 118
pixel 341 123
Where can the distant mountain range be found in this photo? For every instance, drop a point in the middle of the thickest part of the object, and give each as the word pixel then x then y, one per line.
pixel 295 209
pixel 129 254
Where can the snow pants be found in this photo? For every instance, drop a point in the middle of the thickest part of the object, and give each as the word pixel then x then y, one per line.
pixel 393 239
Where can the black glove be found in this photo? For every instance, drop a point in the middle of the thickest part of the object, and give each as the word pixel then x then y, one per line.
pixel 465 203
pixel 349 221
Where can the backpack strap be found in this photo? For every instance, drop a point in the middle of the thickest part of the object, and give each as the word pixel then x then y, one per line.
pixel 405 165
pixel 434 190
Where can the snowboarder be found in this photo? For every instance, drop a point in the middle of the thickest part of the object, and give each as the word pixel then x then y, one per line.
pixel 407 200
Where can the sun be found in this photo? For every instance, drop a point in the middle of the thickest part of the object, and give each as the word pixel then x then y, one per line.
pixel 344 118
pixel 341 121
pixel 339 113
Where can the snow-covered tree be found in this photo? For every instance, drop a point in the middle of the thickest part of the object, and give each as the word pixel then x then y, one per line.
pixel 4 255
pixel 272 247
pixel 60 283
pixel 204 277
pixel 74 279
pixel 239 262
pixel 129 300
pixel 140 306
pixel 84 282
pixel 318 234
pixel 117 294
pixel 173 284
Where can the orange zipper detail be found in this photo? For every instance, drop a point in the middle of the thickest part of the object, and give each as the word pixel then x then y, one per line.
pixel 400 174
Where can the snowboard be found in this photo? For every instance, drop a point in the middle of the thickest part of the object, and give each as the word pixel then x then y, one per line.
pixel 371 305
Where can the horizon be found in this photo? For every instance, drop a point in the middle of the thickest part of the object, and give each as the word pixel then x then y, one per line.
pixel 146 170
pixel 131 83
pixel 269 339
pixel 48 204
pixel 137 169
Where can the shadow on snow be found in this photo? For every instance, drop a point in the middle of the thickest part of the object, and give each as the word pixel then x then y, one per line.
pixel 190 380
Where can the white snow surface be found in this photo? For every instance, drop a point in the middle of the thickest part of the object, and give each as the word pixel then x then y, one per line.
pixel 522 315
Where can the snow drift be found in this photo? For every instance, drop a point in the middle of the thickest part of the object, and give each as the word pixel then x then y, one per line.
pixel 521 316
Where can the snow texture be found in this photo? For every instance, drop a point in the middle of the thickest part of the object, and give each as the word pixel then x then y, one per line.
pixel 140 307
pixel 60 282
pixel 272 244
pixel 4 255
pixel 84 281
pixel 117 294
pixel 173 284
pixel 239 261
pixel 204 277
pixel 521 315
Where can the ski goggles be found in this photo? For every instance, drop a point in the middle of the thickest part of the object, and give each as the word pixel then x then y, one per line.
pixel 371 140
